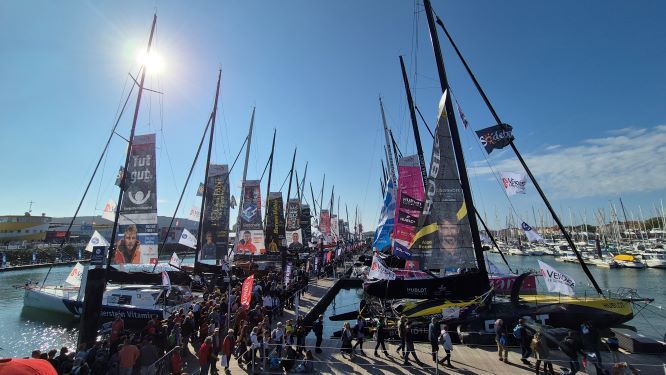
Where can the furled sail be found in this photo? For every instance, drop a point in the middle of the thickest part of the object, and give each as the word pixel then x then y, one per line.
pixel 384 232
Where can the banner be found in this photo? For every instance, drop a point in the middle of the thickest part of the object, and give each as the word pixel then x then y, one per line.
pixel 531 234
pixel 293 225
pixel 383 240
pixel 251 238
pixel 514 183
pixel 335 229
pixel 166 281
pixel 306 228
pixel 287 274
pixel 138 234
pixel 75 275
pixel 215 224
pixel 495 137
pixel 175 260
pixel 246 292
pixel 325 223
pixel 109 211
pixel 194 214
pixel 275 224
pixel 96 240
pixel 379 271
pixel 188 239
pixel 409 204
pixel 557 281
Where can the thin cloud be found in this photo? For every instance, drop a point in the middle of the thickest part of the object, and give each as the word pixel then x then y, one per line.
pixel 629 160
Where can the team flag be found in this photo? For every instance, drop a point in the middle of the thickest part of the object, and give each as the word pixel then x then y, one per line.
pixel 175 260
pixel 514 183
pixel 557 281
pixel 188 239
pixel 96 240
pixel 495 137
pixel 531 234
pixel 379 271
pixel 75 275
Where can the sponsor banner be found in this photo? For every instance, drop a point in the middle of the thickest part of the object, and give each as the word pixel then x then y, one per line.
pixel 138 234
pixel 306 228
pixel 75 275
pixel 187 239
pixel 96 240
pixel 514 183
pixel 166 281
pixel 215 226
pixel 531 234
pixel 379 271
pixel 275 224
pixel 557 281
pixel 98 256
pixel 335 229
pixel 250 216
pixel 495 137
pixel 246 292
pixel 383 241
pixel 325 222
pixel 502 284
pixel 287 273
pixel 251 243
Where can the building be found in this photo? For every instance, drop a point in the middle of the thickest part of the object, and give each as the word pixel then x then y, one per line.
pixel 23 227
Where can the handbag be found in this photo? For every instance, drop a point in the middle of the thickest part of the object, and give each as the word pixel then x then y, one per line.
pixel 224 361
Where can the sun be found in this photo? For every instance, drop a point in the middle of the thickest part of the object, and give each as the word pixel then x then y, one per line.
pixel 153 61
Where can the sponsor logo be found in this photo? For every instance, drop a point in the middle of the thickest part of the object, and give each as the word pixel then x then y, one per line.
pixel 94 241
pixel 418 291
pixel 138 198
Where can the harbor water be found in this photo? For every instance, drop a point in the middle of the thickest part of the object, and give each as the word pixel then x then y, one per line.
pixel 25 329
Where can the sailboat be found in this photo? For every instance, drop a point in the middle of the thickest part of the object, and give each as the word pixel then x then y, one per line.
pixel 447 246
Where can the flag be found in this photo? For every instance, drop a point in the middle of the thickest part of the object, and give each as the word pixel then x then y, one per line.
pixel 531 234
pixel 96 240
pixel 194 214
pixel 513 182
pixel 557 281
pixel 246 291
pixel 166 281
pixel 462 115
pixel 233 202
pixel 75 275
pixel 175 260
pixel 119 177
pixel 200 190
pixel 495 137
pixel 109 211
pixel 188 239
pixel 379 271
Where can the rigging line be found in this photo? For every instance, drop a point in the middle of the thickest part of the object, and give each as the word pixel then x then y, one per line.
pixel 424 121
pixel 266 167
pixel 237 155
pixel 166 149
pixel 284 182
pixel 106 147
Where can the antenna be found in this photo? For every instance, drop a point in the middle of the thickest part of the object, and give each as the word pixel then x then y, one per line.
pixel 30 207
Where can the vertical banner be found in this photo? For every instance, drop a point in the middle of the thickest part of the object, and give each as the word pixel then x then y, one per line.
pixel 293 225
pixel 325 224
pixel 251 239
pixel 409 203
pixel 215 226
pixel 138 235
pixel 335 230
pixel 246 291
pixel 306 229
pixel 383 240
pixel 275 235
pixel 287 274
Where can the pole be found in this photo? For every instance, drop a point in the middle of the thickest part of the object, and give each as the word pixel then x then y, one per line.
pixel 200 238
pixel 513 146
pixel 247 158
pixel 389 160
pixel 457 147
pixel 270 174
pixel 291 174
pixel 314 202
pixel 415 125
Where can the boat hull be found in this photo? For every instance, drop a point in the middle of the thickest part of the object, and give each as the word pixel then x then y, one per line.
pixel 460 286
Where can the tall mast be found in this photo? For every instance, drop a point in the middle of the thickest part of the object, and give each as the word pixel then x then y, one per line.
pixel 415 125
pixel 300 196
pixel 321 196
pixel 457 148
pixel 389 159
pixel 511 143
pixel 291 175
pixel 210 148
pixel 247 158
pixel 347 212
pixel 314 202
pixel 270 173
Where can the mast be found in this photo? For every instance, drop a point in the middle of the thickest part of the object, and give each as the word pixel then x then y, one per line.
pixel 321 196
pixel 314 202
pixel 347 214
pixel 457 147
pixel 247 158
pixel 383 174
pixel 302 191
pixel 415 125
pixel 389 160
pixel 210 148
pixel 396 151
pixel 511 143
pixel 270 173
pixel 291 174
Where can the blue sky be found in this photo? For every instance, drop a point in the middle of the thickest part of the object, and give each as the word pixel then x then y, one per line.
pixel 582 83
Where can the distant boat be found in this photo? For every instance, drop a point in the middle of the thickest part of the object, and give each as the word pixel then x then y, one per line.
pixel 629 261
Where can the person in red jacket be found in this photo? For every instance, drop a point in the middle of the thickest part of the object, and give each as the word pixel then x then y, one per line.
pixel 176 361
pixel 227 349
pixel 204 355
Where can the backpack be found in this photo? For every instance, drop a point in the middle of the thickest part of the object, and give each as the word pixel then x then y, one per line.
pixel 517 331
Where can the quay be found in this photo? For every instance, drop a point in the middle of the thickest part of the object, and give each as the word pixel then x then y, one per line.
pixel 42 265
pixel 465 359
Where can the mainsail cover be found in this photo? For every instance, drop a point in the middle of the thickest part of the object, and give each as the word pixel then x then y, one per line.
pixel 409 204
pixel 384 231
pixel 444 237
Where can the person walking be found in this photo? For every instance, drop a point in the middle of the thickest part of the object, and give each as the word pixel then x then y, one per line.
pixel 502 340
pixel 318 328
pixel 445 339
pixel 570 347
pixel 227 349
pixel 433 337
pixel 380 336
pixel 521 333
pixel 346 339
pixel 359 330
pixel 542 354
pixel 409 345
pixel 127 356
pixel 205 354
pixel 401 334
pixel 277 336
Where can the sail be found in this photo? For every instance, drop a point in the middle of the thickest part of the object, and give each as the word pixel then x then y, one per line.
pixel 409 203
pixel 293 225
pixel 251 239
pixel 215 226
pixel 275 235
pixel 306 228
pixel 444 238
pixel 384 231
pixel 138 236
